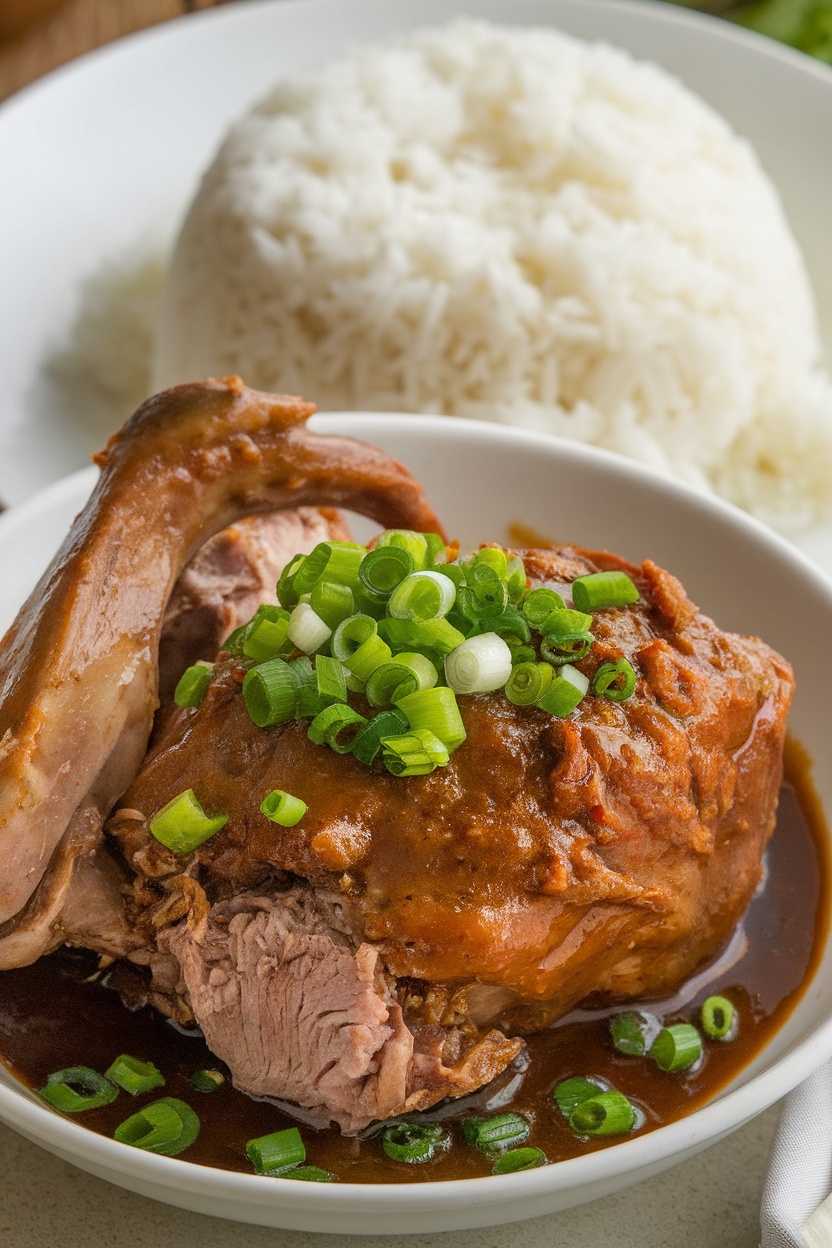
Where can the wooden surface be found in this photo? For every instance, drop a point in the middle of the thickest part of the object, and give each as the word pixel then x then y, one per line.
pixel 39 35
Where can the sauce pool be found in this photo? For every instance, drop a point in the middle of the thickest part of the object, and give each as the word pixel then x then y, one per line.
pixel 59 1012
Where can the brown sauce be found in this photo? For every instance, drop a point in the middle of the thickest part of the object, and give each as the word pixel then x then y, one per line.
pixel 53 1015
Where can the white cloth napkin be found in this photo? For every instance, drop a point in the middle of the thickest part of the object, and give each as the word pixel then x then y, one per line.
pixel 797 1204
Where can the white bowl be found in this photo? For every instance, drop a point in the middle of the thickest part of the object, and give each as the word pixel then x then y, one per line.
pixel 481 478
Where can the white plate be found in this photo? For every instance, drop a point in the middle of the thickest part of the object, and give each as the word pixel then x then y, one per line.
pixel 759 584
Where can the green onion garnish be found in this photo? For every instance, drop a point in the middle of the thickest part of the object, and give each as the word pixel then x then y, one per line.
pixel 420 546
pixel 207 1080
pixel 412 1142
pixel 719 1019
pixel 307 1174
pixel 570 1093
pixel 329 561
pixel 519 1159
pixel 182 824
pixel 287 595
pixel 677 1047
pixel 438 635
pixel 76 1088
pixel 603 589
pixel 283 808
pixel 276 1153
pixel 332 601
pixel 266 634
pixel 367 741
pixel 135 1076
pixel 566 636
pixel 565 692
pixel 497 1133
pixel 336 726
pixel 607 1113
pixel 270 692
pixel 391 681
pixel 356 642
pixel 634 1031
pixel 307 631
pixel 416 753
pixel 192 684
pixel 384 568
pixel 435 709
pixel 330 678
pixel 167 1126
pixel 539 604
pixel 615 680
pixel 480 665
pixel 422 596
pixel 529 682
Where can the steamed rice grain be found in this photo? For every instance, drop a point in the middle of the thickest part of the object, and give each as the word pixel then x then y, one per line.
pixel 516 226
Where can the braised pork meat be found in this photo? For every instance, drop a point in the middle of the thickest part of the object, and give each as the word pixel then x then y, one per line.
pixel 390 949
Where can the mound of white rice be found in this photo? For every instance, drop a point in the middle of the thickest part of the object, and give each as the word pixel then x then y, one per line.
pixel 513 225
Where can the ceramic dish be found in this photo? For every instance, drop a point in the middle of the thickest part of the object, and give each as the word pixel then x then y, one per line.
pixel 482 478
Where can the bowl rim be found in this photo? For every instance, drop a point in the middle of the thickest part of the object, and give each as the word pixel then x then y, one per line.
pixel 729 1110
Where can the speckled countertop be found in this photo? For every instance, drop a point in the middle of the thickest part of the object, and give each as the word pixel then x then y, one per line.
pixel 46 1203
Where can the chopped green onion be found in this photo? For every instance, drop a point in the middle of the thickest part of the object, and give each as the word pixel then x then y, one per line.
pixel 523 654
pixel 435 547
pixel 519 1159
pixel 570 1093
pixel 415 753
pixel 598 590
pixel 493 557
pixel 565 692
pixel 607 1113
pixel 415 672
pixel 480 665
pixel 332 602
pixel 565 636
pixel 287 595
pixel 192 684
pixel 336 726
pixel 367 741
pixel 677 1047
pixel 167 1126
pixel 413 1143
pixel 529 682
pixel 270 692
pixel 307 1174
pixel 719 1019
pixel 539 605
pixel 135 1076
pixel 330 678
pixel 497 1133
pixel 415 544
pixel 391 681
pixel 437 710
pixel 615 680
pixel 276 1153
pixel 422 596
pixel 182 824
pixel 283 808
pixel 438 635
pixel 356 642
pixel 634 1031
pixel 76 1088
pixel 306 629
pixel 329 561
pixel 384 568
pixel 516 579
pixel 207 1080
pixel 509 624
pixel 266 634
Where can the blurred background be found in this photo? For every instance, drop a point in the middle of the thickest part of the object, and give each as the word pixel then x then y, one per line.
pixel 38 35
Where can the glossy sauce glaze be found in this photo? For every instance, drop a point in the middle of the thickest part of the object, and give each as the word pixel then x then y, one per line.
pixel 56 1013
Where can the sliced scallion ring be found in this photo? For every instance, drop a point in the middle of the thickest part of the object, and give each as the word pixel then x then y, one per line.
pixel 283 808
pixel 437 710
pixel 634 1031
pixel 496 1133
pixel 517 1159
pixel 76 1088
pixel 135 1076
pixel 606 1113
pixel 277 1152
pixel 480 665
pixel 192 684
pixel 336 726
pixel 599 590
pixel 413 1143
pixel 422 596
pixel 182 825
pixel 565 693
pixel 719 1018
pixel 615 680
pixel 167 1126
pixel 270 692
pixel 677 1047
